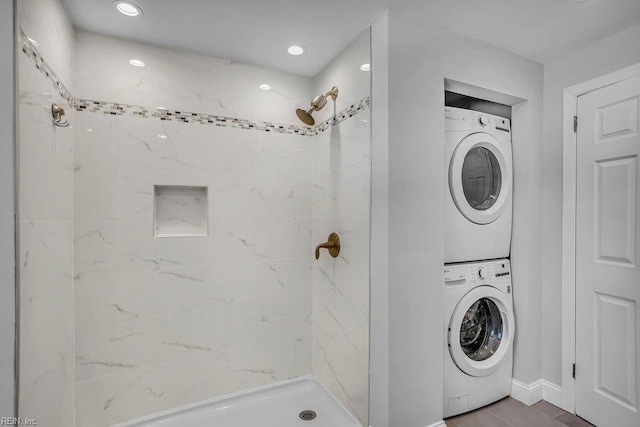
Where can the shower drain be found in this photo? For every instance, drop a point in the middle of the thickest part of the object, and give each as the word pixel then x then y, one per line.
pixel 307 415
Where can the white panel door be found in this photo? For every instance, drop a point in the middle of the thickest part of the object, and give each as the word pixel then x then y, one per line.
pixel 607 261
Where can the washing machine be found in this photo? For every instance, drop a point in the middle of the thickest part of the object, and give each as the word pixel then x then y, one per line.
pixel 478 335
pixel 479 186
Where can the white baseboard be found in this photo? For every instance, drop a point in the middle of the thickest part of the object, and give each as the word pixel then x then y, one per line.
pixel 526 393
pixel 536 391
pixel 438 424
pixel 552 393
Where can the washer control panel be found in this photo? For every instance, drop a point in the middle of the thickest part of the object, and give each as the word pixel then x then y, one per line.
pixel 478 272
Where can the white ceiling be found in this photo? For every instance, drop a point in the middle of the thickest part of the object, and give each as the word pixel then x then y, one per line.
pixel 259 31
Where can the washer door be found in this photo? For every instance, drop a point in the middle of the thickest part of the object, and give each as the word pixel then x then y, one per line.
pixel 480 177
pixel 481 331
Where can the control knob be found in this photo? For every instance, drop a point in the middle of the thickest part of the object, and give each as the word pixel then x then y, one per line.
pixel 484 120
pixel 483 273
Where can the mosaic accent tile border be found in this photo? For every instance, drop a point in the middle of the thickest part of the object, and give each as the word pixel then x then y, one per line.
pixel 343 115
pixel 115 109
pixel 32 52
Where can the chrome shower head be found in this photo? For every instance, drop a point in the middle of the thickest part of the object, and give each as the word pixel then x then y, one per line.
pixel 317 104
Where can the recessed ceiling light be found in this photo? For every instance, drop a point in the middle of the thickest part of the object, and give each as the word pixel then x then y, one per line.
pixel 265 87
pixel 127 9
pixel 33 42
pixel 136 63
pixel 365 67
pixel 162 136
pixel 89 130
pixel 161 108
pixel 296 50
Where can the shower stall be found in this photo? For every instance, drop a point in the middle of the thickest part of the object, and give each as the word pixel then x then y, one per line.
pixel 169 212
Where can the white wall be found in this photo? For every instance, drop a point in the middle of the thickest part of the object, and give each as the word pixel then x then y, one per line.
pixel 341 202
pixel 47 22
pixel 613 53
pixel 420 58
pixel 45 205
pixel 162 322
pixel 184 81
pixel 7 224
pixel 344 72
pixel 379 357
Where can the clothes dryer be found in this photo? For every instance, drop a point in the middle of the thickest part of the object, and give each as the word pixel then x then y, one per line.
pixel 479 186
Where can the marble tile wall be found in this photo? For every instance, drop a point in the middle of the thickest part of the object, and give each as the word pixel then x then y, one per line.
pixel 341 203
pixel 47 23
pixel 161 322
pixel 185 81
pixel 344 72
pixel 45 227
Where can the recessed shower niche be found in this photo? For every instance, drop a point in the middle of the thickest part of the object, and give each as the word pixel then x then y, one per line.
pixel 180 211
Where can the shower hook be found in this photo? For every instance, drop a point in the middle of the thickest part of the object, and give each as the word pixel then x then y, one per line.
pixel 57 112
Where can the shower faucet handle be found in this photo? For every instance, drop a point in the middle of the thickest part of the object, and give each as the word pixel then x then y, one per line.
pixel 332 244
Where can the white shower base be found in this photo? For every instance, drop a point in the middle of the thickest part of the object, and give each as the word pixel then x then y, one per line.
pixel 277 405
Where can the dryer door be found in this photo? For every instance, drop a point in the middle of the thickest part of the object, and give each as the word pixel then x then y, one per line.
pixel 481 331
pixel 480 177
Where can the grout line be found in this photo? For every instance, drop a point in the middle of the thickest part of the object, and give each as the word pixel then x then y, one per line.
pixel 502 419
pixel 488 409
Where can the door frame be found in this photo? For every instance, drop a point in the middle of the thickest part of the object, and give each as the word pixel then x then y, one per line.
pixel 569 158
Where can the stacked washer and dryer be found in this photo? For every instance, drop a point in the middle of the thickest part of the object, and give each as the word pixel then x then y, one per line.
pixel 478 305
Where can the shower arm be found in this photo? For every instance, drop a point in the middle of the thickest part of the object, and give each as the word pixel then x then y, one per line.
pixel 333 93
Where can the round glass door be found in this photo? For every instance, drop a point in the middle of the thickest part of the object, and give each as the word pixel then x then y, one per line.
pixel 481 330
pixel 481 178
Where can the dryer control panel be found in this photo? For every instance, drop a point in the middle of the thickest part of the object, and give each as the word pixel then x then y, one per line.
pixel 482 272
pixel 461 119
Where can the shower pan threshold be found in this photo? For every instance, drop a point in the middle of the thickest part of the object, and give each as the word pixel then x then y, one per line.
pixel 283 404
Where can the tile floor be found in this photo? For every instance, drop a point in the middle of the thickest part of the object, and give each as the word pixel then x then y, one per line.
pixel 509 412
